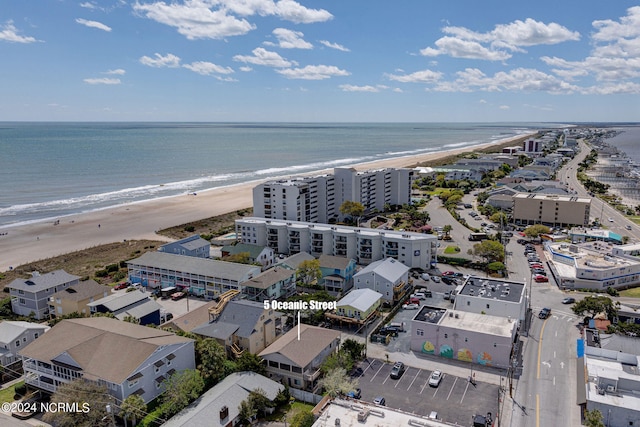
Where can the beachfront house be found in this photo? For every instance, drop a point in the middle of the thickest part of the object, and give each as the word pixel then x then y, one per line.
pixel 14 336
pixel 387 277
pixel 125 357
pixel 75 299
pixel 30 297
pixel 194 246
pixel 295 360
pixel 262 255
pixel 198 276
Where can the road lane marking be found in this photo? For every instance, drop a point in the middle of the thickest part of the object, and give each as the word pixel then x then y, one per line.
pixel 554 354
pixel 414 379
pixel 454 384
pixel 554 381
pixel 537 410
pixel 540 346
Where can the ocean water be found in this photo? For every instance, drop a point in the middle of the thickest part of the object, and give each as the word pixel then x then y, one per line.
pixel 627 141
pixel 49 170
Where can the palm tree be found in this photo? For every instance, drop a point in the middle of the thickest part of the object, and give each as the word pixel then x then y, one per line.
pixel 134 408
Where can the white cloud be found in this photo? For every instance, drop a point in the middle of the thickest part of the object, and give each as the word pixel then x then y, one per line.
pixel 313 72
pixel 504 107
pixel 102 81
pixel 517 80
pixel 9 33
pixel 169 60
pixel 288 39
pixel 119 72
pixel 611 89
pixel 88 5
pixel 217 19
pixel 335 46
pixel 93 24
pixel 264 57
pixel 245 69
pixel 424 76
pixel 352 88
pixel 627 28
pixel 501 42
pixel 207 68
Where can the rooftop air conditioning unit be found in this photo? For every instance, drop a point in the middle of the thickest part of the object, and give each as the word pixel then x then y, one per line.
pixel 610 388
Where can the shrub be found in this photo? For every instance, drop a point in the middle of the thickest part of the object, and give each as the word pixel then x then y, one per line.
pixel 190 228
pixel 111 268
pixel 102 273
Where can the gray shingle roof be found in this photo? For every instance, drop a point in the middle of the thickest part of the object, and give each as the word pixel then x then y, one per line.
pixel 302 352
pixel 44 281
pixel 195 265
pixel 10 330
pixel 205 412
pixel 83 290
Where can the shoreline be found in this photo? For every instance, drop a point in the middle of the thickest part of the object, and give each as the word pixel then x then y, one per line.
pixel 140 220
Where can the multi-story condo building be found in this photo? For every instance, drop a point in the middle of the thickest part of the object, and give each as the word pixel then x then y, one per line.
pixel 551 209
pixel 365 245
pixel 310 199
pixel 318 198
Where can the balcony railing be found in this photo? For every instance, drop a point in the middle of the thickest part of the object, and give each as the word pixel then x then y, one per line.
pixel 312 374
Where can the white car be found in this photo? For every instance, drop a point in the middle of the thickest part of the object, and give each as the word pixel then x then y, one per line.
pixel 435 378
pixel 410 306
pixel 436 279
pixel 610 219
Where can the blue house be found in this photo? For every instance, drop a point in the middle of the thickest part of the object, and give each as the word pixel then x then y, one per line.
pixel 194 246
pixel 337 273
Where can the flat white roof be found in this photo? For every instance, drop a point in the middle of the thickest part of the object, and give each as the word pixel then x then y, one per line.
pixel 598 367
pixel 491 325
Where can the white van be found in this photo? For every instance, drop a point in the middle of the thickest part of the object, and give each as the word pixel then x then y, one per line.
pixel 424 276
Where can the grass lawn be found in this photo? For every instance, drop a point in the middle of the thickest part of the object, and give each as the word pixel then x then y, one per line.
pixel 451 250
pixel 6 395
pixel 633 293
pixel 289 410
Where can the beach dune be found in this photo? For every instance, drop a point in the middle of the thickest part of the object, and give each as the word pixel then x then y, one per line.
pixel 26 243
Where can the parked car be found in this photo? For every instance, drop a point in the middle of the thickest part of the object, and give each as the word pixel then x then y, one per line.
pixel 568 300
pixel 435 279
pixel 447 295
pixel 450 281
pixel 544 313
pixel 356 372
pixel 354 394
pixel 419 295
pixel 448 273
pixel 457 274
pixel 379 401
pixel 178 295
pixel 123 285
pixel 521 241
pixel 540 271
pixel 397 370
pixel 628 227
pixel 610 219
pixel 410 306
pixel 435 378
pixel 539 278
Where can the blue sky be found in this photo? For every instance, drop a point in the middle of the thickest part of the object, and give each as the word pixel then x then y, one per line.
pixel 319 61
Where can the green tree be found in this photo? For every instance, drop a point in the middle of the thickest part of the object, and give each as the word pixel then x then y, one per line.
pixel 309 272
pixel 210 358
pixel 352 209
pixel 593 305
pixel 246 411
pixel 341 359
pixel 353 348
pixel 336 381
pixel 499 218
pixel 593 418
pixel 259 401
pixel 302 418
pixel 180 389
pixel 489 250
pixel 133 408
pixel 82 392
pixel 536 230
pixel 447 230
pixel 250 362
pixel 495 267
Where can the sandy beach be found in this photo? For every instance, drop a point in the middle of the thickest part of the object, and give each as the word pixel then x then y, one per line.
pixel 27 243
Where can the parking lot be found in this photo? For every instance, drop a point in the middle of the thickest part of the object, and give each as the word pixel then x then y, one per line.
pixel 177 308
pixel 456 399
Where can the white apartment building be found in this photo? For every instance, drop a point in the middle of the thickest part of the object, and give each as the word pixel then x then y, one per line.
pixel 318 198
pixel 365 245
pixel 550 209
pixel 310 199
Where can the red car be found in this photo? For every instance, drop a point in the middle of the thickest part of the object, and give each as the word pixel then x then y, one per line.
pixel 178 295
pixel 448 273
pixel 539 278
pixel 123 285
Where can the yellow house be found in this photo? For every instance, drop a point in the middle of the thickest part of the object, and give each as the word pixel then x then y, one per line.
pixel 75 298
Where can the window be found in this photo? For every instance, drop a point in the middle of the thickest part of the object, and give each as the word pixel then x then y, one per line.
pixel 466 339
pixel 420 332
pixel 133 383
pixel 446 335
pixel 468 302
pixel 488 306
pixel 17 343
pixel 35 335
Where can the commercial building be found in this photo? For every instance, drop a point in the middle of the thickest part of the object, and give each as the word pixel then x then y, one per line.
pixel 502 298
pixel 318 198
pixel 592 266
pixel 125 357
pixel 470 337
pixel 31 296
pixel 199 276
pixel 551 209
pixel 364 245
